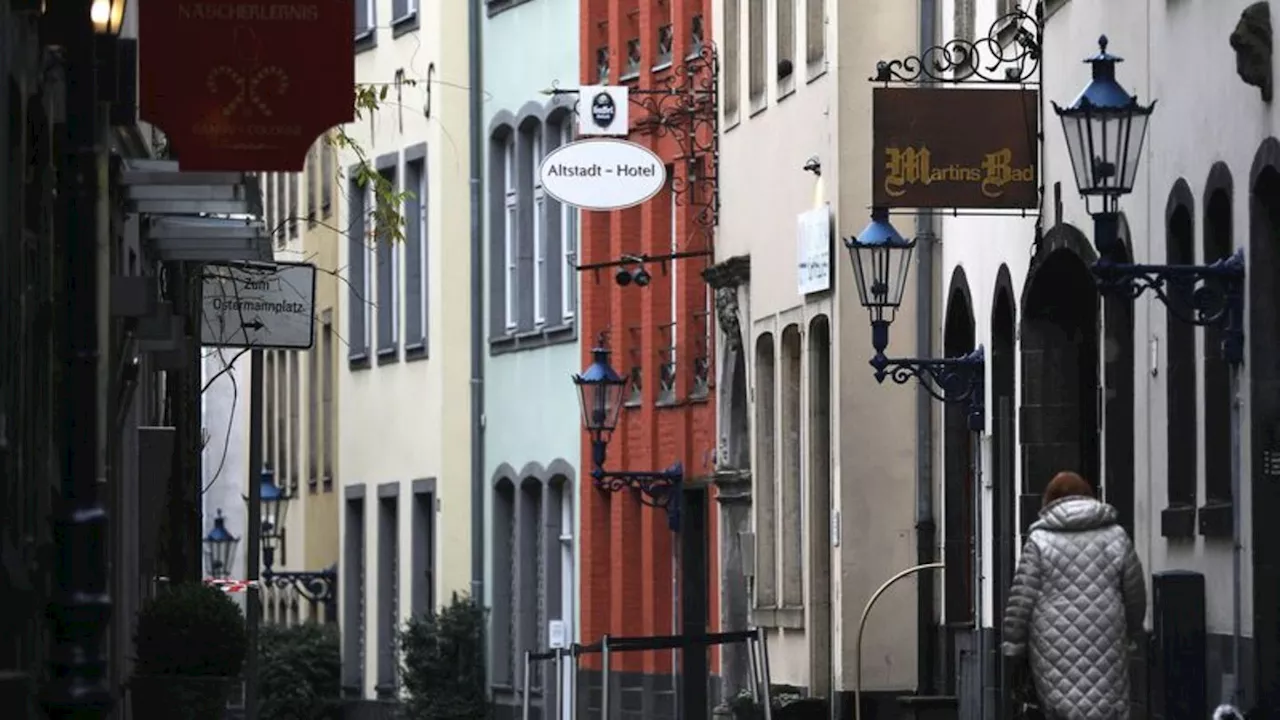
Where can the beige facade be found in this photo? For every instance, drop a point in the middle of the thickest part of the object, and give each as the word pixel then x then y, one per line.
pixel 405 318
pixel 300 388
pixel 832 454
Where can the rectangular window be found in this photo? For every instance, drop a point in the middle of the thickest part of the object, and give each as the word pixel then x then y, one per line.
pixel 539 233
pixel 403 10
pixel 424 551
pixel 416 253
pixel 326 177
pixel 282 209
pixel 365 18
pixel 353 593
pixel 295 418
pixel 284 463
pixel 388 290
pixel 269 409
pixel 785 27
pixel 313 169
pixel 569 243
pixel 815 31
pixel 756 53
pixel 271 206
pixel 315 421
pixel 358 276
pixel 388 595
pixel 293 205
pixel 511 229
pixel 326 399
pixel 733 56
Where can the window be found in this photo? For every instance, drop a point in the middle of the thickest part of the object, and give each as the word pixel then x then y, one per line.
pixel 503 668
pixel 326 399
pixel 269 437
pixel 388 595
pixel 353 594
pixel 295 420
pixel 313 158
pixel 424 547
pixel 284 462
pixel 815 22
pixel 1180 377
pixel 402 10
pixel 326 177
pixel 365 18
pixel 272 207
pixel 283 216
pixel 756 53
pixel 416 253
pixel 1215 517
pixel 785 27
pixel 733 56
pixel 538 232
pixel 511 228
pixel 531 529
pixel 359 308
pixel 764 496
pixel 387 253
pixel 569 242
pixel 668 359
pixel 315 421
pixel 293 205
pixel 790 523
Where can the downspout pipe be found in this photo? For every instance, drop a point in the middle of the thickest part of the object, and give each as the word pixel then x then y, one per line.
pixel 926 528
pixel 475 79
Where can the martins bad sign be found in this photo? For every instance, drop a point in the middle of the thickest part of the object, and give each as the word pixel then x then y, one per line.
pixel 245 85
pixel 955 148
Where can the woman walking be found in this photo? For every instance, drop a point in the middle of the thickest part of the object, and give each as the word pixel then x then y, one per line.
pixel 1078 597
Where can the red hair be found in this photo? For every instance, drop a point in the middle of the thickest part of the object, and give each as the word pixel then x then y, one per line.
pixel 1066 484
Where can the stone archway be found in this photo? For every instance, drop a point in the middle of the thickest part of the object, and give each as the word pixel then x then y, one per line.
pixel 1059 426
pixel 1003 527
pixel 958 492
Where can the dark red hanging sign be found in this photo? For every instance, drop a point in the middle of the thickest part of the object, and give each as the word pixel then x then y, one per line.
pixel 238 85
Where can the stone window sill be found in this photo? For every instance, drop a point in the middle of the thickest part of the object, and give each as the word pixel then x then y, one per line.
pixel 532 339
pixel 787 618
pixel 1178 521
pixel 1216 519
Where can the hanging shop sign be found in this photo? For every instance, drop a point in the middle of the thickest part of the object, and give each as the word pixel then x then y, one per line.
pixel 245 85
pixel 955 148
pixel 813 250
pixel 603 174
pixel 602 110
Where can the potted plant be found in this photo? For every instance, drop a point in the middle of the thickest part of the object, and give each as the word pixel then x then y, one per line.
pixel 190 647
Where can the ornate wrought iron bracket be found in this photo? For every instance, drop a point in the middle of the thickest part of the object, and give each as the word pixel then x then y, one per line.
pixel 1010 53
pixel 318 587
pixel 1206 295
pixel 659 489
pixel 949 380
pixel 684 105
pixel 644 259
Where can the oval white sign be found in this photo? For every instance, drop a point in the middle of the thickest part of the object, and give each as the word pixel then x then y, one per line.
pixel 602 174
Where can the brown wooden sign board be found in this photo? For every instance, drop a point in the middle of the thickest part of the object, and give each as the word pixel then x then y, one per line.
pixel 955 148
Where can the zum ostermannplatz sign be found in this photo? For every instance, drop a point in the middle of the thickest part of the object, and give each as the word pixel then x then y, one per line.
pixel 955 148
pixel 603 174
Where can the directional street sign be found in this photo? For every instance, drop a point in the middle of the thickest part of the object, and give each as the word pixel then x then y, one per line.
pixel 261 305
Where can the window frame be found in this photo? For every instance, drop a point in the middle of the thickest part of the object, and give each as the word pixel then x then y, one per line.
pixel 569 237
pixel 511 235
pixel 538 232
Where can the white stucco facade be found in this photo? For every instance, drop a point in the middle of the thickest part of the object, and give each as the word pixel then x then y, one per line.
pixel 405 430
pixel 1180 54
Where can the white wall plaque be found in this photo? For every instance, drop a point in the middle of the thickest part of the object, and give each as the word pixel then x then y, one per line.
pixel 813 250
pixel 556 635
pixel 602 174
pixel 602 110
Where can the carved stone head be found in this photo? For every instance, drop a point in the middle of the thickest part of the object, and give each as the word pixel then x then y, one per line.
pixel 727 314
pixel 1252 42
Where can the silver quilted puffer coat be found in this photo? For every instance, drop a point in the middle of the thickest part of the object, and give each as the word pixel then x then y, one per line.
pixel 1078 597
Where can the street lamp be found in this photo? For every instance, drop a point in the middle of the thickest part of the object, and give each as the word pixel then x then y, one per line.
pixel 1105 128
pixel 220 548
pixel 107 16
pixel 881 259
pixel 601 390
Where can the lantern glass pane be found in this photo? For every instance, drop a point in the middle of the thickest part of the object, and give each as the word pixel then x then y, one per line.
pixel 1075 128
pixel 1134 137
pixel 601 404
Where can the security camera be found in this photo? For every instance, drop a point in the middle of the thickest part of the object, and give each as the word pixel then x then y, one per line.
pixel 641 277
pixel 813 165
pixel 622 277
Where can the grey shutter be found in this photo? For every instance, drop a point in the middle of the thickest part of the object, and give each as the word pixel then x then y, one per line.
pixel 363 21
pixel 415 334
pixel 497 237
pixel 399 9
pixel 524 240
pixel 553 239
pixel 357 277
pixel 387 340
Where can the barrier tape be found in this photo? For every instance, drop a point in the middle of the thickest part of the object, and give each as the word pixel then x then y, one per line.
pixel 231 586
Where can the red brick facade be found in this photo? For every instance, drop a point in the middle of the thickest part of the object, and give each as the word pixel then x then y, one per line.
pixel 627 548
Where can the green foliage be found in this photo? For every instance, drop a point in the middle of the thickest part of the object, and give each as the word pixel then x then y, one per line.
pixel 300 674
pixel 192 630
pixel 387 218
pixel 443 663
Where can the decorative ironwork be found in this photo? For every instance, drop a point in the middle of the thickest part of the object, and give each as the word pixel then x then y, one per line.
pixel 950 380
pixel 1215 293
pixel 655 489
pixel 1010 53
pixel 318 587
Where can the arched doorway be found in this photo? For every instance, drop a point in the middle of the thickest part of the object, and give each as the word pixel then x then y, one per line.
pixel 958 491
pixel 1059 426
pixel 1264 369
pixel 1116 485
pixel 1003 531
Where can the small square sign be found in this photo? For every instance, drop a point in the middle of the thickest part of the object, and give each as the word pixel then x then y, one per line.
pixel 602 110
